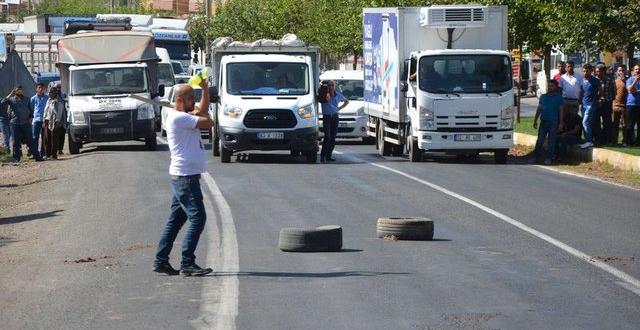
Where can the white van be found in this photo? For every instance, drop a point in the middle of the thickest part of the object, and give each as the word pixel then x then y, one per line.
pixel 166 77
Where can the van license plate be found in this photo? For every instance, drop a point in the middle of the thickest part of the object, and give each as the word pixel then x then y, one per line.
pixel 467 137
pixel 343 124
pixel 112 130
pixel 271 136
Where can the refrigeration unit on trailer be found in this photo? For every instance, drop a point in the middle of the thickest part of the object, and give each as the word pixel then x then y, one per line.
pixel 438 79
pixel 99 71
pixel 266 98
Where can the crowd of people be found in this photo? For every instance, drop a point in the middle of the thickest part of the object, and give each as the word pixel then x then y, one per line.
pixel 39 122
pixel 589 109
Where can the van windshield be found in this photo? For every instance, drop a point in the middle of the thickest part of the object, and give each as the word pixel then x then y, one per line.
pixel 351 89
pixel 165 75
pixel 267 78
pixel 107 81
pixel 443 74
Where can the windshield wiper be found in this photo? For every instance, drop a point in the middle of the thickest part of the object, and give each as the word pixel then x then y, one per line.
pixel 448 92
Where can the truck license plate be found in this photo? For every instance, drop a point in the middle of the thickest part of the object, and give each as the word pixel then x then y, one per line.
pixel 271 136
pixel 112 130
pixel 467 137
pixel 343 124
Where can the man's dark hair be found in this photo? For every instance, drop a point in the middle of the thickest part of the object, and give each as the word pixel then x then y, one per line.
pixel 601 66
pixel 553 81
pixel 18 87
pixel 41 84
pixel 561 63
pixel 587 66
pixel 622 66
pixel 572 63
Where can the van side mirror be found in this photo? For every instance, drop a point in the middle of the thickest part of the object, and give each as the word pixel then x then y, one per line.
pixel 404 87
pixel 161 90
pixel 214 95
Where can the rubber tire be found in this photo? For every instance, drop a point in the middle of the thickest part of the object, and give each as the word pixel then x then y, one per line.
pixel 151 143
pixel 74 147
pixel 163 132
pixel 215 145
pixel 417 229
pixel 211 135
pixel 500 156
pixel 311 156
pixel 414 153
pixel 225 154
pixel 384 147
pixel 321 239
pixel 368 140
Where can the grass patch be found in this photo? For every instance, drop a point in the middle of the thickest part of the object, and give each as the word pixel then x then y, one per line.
pixel 604 171
pixel 525 126
pixel 634 151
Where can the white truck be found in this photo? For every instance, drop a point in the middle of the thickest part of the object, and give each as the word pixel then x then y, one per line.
pixel 266 93
pixel 99 71
pixel 438 79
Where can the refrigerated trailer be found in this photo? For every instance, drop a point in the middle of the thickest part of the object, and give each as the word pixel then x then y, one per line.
pixel 438 79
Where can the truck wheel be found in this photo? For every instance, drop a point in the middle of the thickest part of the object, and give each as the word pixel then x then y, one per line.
pixel 384 147
pixel 215 145
pixel 413 151
pixel 500 156
pixel 311 156
pixel 225 154
pixel 74 147
pixel 151 143
pixel 368 140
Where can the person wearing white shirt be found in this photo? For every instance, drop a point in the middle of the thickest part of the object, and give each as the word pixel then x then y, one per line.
pixel 570 84
pixel 183 126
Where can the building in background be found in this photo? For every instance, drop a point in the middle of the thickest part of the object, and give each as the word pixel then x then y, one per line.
pixel 180 7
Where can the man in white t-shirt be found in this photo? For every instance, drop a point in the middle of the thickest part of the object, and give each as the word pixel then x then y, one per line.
pixel 187 162
pixel 571 86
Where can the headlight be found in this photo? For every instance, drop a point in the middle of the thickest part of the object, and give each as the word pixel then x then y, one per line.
pixel 77 118
pixel 506 113
pixel 306 112
pixel 506 124
pixel 426 118
pixel 145 111
pixel 232 112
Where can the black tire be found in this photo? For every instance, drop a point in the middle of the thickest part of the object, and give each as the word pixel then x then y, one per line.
pixel 215 145
pixel 418 229
pixel 384 147
pixel 320 239
pixel 368 140
pixel 151 143
pixel 74 147
pixel 163 133
pixel 413 151
pixel 311 156
pixel 500 156
pixel 225 154
pixel 211 135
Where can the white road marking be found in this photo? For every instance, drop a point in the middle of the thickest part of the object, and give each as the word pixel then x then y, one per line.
pixel 625 280
pixel 586 177
pixel 219 307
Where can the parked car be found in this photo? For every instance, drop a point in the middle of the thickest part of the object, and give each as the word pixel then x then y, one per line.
pixel 353 120
pixel 206 133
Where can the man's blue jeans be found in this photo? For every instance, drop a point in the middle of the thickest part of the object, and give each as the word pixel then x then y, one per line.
pixel 18 131
pixel 550 129
pixel 6 132
pixel 186 205
pixel 37 132
pixel 589 111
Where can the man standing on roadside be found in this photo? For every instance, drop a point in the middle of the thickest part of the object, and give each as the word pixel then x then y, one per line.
pixel 589 95
pixel 548 111
pixel 36 105
pixel 632 111
pixel 330 121
pixel 604 105
pixel 619 105
pixel 63 130
pixel 4 125
pixel 562 69
pixel 570 86
pixel 20 117
pixel 183 126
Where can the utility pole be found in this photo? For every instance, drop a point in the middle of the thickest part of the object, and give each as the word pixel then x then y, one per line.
pixel 113 5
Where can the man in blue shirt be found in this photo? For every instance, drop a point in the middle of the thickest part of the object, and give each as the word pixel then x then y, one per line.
pixel 549 112
pixel 20 117
pixel 37 104
pixel 632 114
pixel 330 120
pixel 589 94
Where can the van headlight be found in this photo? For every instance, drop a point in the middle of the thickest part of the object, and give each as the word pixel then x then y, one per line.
pixel 77 118
pixel 426 118
pixel 145 111
pixel 306 112
pixel 232 111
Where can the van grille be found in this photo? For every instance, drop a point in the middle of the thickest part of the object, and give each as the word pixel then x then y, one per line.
pixel 270 118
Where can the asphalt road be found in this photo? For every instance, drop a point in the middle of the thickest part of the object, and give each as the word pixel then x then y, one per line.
pixel 481 272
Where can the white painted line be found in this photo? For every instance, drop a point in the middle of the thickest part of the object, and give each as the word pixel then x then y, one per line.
pixel 586 177
pixel 626 281
pixel 219 307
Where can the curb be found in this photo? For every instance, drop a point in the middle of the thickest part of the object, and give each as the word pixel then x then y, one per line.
pixel 616 159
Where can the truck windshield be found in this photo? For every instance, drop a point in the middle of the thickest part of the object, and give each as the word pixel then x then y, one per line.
pixel 178 50
pixel 267 78
pixel 351 89
pixel 443 74
pixel 165 75
pixel 107 81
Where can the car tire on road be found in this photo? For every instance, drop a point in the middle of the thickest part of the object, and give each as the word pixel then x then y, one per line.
pixel 225 154
pixel 418 229
pixel 500 156
pixel 151 143
pixel 320 239
pixel 74 147
pixel 215 145
pixel 311 156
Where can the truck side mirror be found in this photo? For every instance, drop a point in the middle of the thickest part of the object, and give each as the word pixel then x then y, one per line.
pixel 161 90
pixel 214 95
pixel 404 87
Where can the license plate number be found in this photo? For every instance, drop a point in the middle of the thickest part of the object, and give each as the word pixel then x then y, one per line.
pixel 112 130
pixel 271 136
pixel 343 124
pixel 467 137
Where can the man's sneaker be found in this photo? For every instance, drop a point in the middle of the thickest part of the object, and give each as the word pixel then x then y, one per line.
pixel 165 269
pixel 194 270
pixel 586 145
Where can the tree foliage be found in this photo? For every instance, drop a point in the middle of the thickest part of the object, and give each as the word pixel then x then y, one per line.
pixel 84 8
